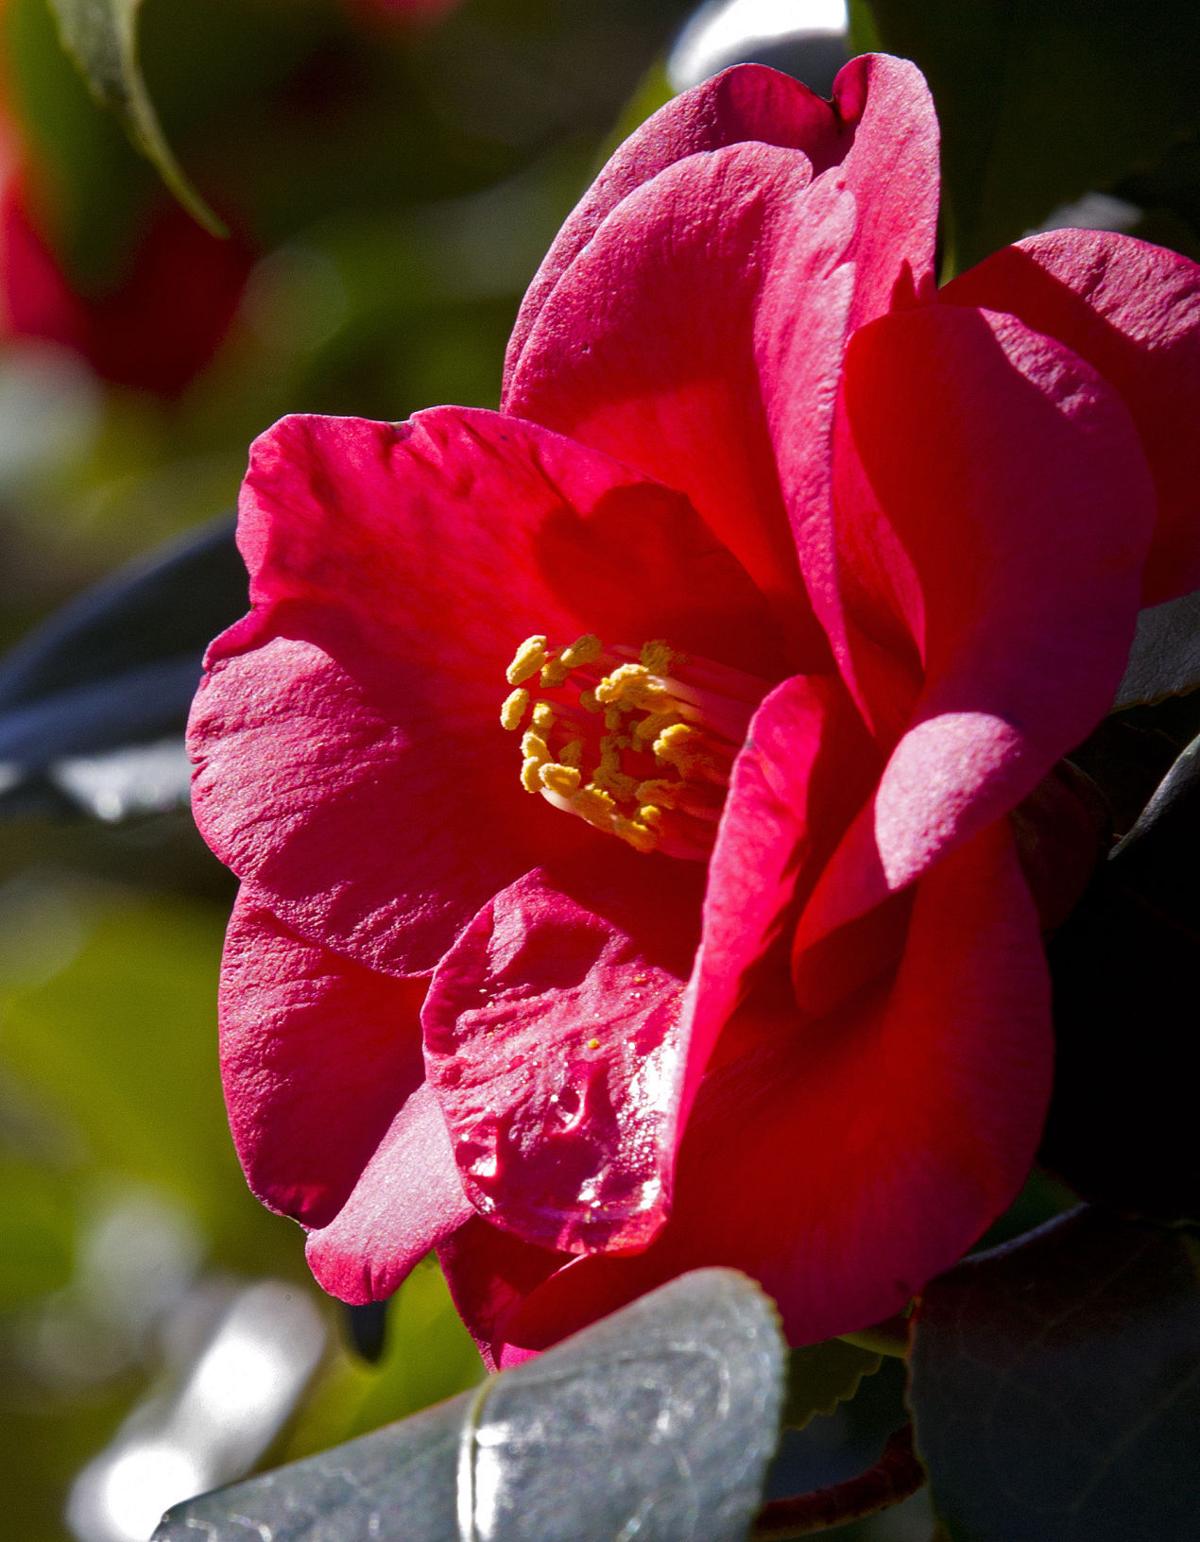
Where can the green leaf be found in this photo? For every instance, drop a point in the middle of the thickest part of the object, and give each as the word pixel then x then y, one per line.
pixel 94 702
pixel 1055 1385
pixel 1042 103
pixel 658 1421
pixel 101 36
pixel 1122 1118
pixel 820 1376
pixel 1165 657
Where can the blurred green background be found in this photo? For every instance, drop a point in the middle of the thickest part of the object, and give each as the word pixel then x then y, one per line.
pixel 390 185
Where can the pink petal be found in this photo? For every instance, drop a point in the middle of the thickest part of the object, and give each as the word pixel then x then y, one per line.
pixel 317 1054
pixel 741 104
pixel 1133 312
pixel 994 508
pixel 843 1163
pixel 489 1273
pixel 407 1201
pixel 697 332
pixel 807 765
pixel 551 1041
pixel 349 758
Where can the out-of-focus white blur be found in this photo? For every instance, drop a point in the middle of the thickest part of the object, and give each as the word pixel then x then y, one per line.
pixel 805 37
pixel 245 1371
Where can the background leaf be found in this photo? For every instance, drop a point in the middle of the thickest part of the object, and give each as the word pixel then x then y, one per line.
pixel 1056 1386
pixel 820 1376
pixel 101 36
pixel 1122 1118
pixel 1165 657
pixel 1040 104
pixel 659 1420
pixel 93 704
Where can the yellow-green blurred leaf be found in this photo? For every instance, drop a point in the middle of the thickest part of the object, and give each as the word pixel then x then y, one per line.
pixel 101 36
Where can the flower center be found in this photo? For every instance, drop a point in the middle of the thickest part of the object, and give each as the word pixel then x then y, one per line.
pixel 638 742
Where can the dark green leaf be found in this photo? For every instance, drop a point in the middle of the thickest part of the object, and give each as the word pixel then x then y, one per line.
pixel 658 1421
pixel 101 36
pixel 820 1376
pixel 93 704
pixel 1122 1118
pixel 1165 658
pixel 1056 1386
pixel 1042 103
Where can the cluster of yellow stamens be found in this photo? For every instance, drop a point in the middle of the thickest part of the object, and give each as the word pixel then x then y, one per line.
pixel 618 739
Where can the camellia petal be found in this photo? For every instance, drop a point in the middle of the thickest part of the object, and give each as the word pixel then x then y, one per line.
pixel 407 1201
pixel 490 1273
pixel 1132 310
pixel 842 1163
pixel 665 338
pixel 736 106
pixel 551 1034
pixel 317 1056
pixel 807 765
pixel 1017 588
pixel 349 722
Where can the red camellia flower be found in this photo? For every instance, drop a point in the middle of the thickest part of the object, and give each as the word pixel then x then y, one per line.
pixel 620 783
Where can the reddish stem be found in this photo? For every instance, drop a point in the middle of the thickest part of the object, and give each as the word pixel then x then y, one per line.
pixel 895 1476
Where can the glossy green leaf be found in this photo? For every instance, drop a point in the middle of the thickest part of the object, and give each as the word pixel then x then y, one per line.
pixel 820 1376
pixel 1165 657
pixel 1122 1118
pixel 657 1422
pixel 101 36
pixel 1040 103
pixel 1055 1385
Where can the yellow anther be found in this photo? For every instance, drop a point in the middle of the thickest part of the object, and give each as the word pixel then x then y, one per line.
pixel 620 681
pixel 593 1043
pixel 534 747
pixel 513 709
pixel 680 746
pixel 527 660
pixel 584 650
pixel 658 657
pixel 594 804
pixel 635 834
pixel 646 731
pixel 644 711
pixel 657 790
pixel 561 779
pixel 632 685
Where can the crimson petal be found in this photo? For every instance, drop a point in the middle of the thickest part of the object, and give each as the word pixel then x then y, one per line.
pixel 407 1201
pixel 551 1033
pixel 995 507
pixel 844 1163
pixel 349 758
pixel 317 1054
pixel 1132 310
